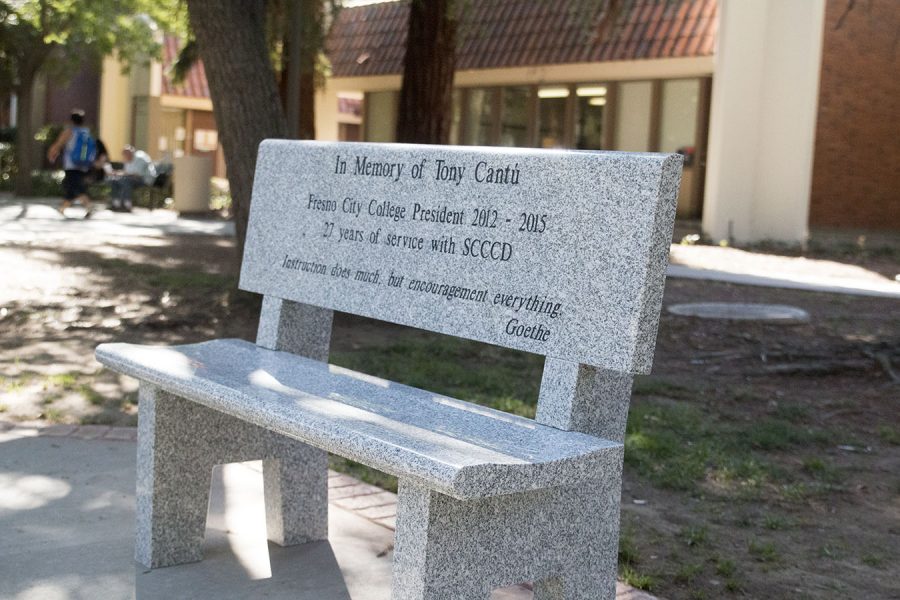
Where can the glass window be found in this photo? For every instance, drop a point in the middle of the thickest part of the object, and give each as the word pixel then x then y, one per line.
pixel 552 116
pixel 514 123
pixel 206 140
pixel 381 116
pixel 678 121
pixel 591 106
pixel 140 121
pixel 678 133
pixel 633 116
pixel 479 117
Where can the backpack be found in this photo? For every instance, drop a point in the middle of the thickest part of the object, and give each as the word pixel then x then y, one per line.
pixel 83 149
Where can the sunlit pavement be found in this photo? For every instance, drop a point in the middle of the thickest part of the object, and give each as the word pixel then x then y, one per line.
pixel 732 265
pixel 67 526
pixel 66 520
pixel 37 221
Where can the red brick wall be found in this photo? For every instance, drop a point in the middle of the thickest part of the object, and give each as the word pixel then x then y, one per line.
pixel 856 169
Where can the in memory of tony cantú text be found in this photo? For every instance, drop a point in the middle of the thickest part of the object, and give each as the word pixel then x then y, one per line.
pixel 489 233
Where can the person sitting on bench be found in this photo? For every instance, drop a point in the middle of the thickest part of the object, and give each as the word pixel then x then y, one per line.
pixel 138 171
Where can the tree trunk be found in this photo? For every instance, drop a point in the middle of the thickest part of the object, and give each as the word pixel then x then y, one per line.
pixel 426 98
pixel 24 138
pixel 311 42
pixel 302 46
pixel 307 126
pixel 231 37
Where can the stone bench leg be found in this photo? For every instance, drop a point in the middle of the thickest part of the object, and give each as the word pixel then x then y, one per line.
pixel 179 442
pixel 589 517
pixel 296 494
pixel 429 563
pixel 564 539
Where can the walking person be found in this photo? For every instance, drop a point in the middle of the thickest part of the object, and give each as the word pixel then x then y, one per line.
pixel 79 150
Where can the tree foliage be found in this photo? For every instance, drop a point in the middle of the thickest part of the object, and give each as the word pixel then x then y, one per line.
pixel 53 36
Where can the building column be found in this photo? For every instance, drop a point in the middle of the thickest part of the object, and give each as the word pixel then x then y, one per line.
pixel 763 120
pixel 114 118
pixel 326 111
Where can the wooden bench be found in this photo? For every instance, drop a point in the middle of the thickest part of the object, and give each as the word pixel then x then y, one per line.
pixel 557 253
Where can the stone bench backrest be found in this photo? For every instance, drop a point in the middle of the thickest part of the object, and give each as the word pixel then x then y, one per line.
pixel 559 253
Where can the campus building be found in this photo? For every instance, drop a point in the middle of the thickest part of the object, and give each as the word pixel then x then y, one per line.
pixel 145 108
pixel 542 74
pixel 764 99
pixel 787 111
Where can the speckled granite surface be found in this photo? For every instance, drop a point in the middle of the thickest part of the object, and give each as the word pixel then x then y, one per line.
pixel 179 443
pixel 454 447
pixel 563 539
pixel 583 398
pixel 558 253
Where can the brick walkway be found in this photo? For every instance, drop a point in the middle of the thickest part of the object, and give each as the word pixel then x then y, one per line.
pixel 348 493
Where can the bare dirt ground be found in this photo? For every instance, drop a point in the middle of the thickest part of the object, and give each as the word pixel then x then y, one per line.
pixel 818 515
pixel 762 460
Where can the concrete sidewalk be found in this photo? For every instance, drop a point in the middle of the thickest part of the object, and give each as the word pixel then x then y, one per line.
pixel 732 265
pixel 36 220
pixel 67 527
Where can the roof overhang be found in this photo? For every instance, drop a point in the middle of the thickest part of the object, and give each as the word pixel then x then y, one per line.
pixel 661 68
pixel 185 102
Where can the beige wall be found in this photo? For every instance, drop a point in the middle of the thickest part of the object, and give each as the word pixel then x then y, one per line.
pixel 155 129
pixel 121 94
pixel 617 70
pixel 115 107
pixel 327 113
pixel 762 121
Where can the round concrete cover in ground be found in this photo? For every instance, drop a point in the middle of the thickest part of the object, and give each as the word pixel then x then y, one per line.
pixel 741 311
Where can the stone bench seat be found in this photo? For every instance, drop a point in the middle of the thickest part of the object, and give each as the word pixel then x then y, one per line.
pixel 452 446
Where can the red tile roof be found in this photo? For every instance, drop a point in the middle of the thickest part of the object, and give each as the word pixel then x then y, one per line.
pixel 371 39
pixel 194 84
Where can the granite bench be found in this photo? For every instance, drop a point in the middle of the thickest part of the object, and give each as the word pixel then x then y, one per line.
pixel 557 253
